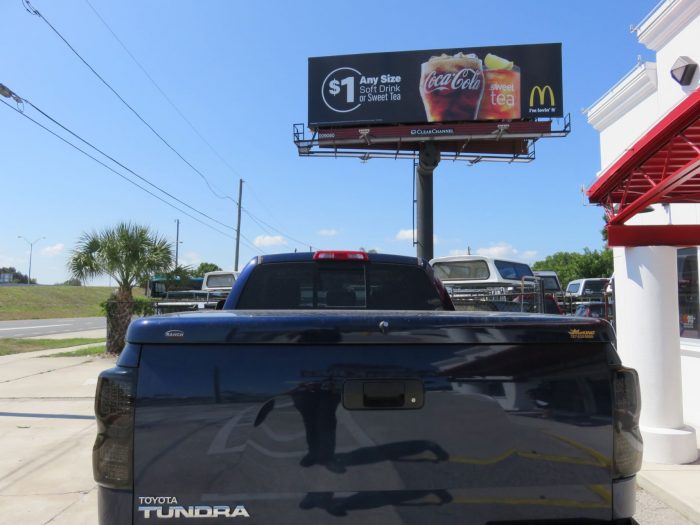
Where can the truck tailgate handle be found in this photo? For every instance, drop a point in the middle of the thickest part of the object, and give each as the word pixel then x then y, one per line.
pixel 383 394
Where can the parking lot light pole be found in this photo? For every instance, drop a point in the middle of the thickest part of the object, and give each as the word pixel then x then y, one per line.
pixel 31 249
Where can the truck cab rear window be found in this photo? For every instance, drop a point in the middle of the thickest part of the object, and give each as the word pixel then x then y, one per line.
pixel 339 286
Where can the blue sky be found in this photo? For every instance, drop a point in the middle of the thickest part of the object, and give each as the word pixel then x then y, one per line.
pixel 238 72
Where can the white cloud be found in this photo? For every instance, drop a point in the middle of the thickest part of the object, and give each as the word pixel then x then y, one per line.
pixel 409 235
pixel 189 259
pixel 501 249
pixel 269 240
pixel 52 251
pixel 405 235
pixel 505 250
pixel 459 252
pixel 328 232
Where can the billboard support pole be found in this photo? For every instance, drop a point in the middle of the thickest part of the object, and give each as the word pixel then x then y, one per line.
pixel 428 159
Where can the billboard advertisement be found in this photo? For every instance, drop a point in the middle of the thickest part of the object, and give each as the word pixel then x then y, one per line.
pixel 438 85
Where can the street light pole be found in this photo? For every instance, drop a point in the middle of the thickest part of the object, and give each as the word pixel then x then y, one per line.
pixel 177 241
pixel 31 250
pixel 238 228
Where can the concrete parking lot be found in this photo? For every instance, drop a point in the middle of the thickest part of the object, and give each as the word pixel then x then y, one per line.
pixel 46 434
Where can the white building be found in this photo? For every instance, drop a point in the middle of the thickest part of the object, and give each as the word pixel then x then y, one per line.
pixel 649 125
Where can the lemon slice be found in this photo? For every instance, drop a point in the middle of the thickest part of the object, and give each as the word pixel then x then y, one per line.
pixel 496 62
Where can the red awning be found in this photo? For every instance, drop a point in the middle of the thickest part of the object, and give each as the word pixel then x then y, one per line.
pixel 661 167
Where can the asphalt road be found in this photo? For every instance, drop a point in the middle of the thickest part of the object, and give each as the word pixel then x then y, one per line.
pixel 39 327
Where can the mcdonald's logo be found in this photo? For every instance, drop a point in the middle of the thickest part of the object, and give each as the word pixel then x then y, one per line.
pixel 541 91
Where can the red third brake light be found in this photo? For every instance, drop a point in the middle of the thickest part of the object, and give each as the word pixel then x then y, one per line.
pixel 338 255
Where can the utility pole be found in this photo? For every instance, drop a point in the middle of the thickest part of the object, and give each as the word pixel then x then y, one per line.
pixel 177 240
pixel 31 250
pixel 238 228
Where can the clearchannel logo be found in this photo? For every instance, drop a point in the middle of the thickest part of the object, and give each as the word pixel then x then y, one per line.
pixel 432 131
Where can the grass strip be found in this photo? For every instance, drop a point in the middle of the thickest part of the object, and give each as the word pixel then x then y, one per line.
pixel 89 351
pixel 18 346
pixel 53 302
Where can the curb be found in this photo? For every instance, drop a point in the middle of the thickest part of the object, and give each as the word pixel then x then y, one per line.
pixel 93 333
pixel 679 504
pixel 46 352
pixel 51 351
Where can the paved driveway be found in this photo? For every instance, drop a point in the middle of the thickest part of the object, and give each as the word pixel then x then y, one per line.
pixel 46 433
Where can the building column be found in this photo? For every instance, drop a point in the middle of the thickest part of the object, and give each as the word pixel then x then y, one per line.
pixel 647 322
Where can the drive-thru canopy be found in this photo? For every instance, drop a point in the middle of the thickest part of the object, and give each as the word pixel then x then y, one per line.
pixel 661 167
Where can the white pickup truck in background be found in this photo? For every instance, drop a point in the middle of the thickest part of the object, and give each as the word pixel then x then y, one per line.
pixel 215 288
pixel 218 281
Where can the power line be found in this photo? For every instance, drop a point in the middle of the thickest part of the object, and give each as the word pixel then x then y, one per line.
pixel 251 244
pixel 264 224
pixel 32 10
pixel 179 112
pixel 160 90
pixel 265 229
pixel 260 222
pixel 248 242
pixel 126 167
pixel 115 171
pixel 253 193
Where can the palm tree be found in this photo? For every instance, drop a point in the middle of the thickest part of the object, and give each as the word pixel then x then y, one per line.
pixel 128 253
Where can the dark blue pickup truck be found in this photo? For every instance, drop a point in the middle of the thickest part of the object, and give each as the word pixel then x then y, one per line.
pixel 339 387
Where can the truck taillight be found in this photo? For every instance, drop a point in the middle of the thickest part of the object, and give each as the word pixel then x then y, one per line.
pixel 627 438
pixel 325 255
pixel 114 410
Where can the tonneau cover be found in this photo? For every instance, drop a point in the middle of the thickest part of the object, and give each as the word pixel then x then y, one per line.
pixel 366 326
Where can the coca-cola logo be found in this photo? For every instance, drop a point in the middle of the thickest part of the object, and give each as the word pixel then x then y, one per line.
pixel 465 79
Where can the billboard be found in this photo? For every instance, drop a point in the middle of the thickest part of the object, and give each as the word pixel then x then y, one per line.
pixel 438 85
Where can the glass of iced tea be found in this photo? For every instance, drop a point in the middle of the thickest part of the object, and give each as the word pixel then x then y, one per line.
pixel 501 99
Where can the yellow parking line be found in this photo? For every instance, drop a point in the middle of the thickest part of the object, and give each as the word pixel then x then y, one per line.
pixel 599 490
pixel 526 455
pixel 602 460
pixel 544 502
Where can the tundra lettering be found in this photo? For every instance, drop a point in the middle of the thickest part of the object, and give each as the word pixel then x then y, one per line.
pixel 197 511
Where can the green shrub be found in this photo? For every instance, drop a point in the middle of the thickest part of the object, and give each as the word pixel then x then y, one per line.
pixel 142 306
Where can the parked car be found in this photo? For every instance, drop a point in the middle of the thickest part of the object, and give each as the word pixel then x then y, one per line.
pixel 469 272
pixel 550 281
pixel 610 287
pixel 482 283
pixel 549 304
pixel 580 288
pixel 592 309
